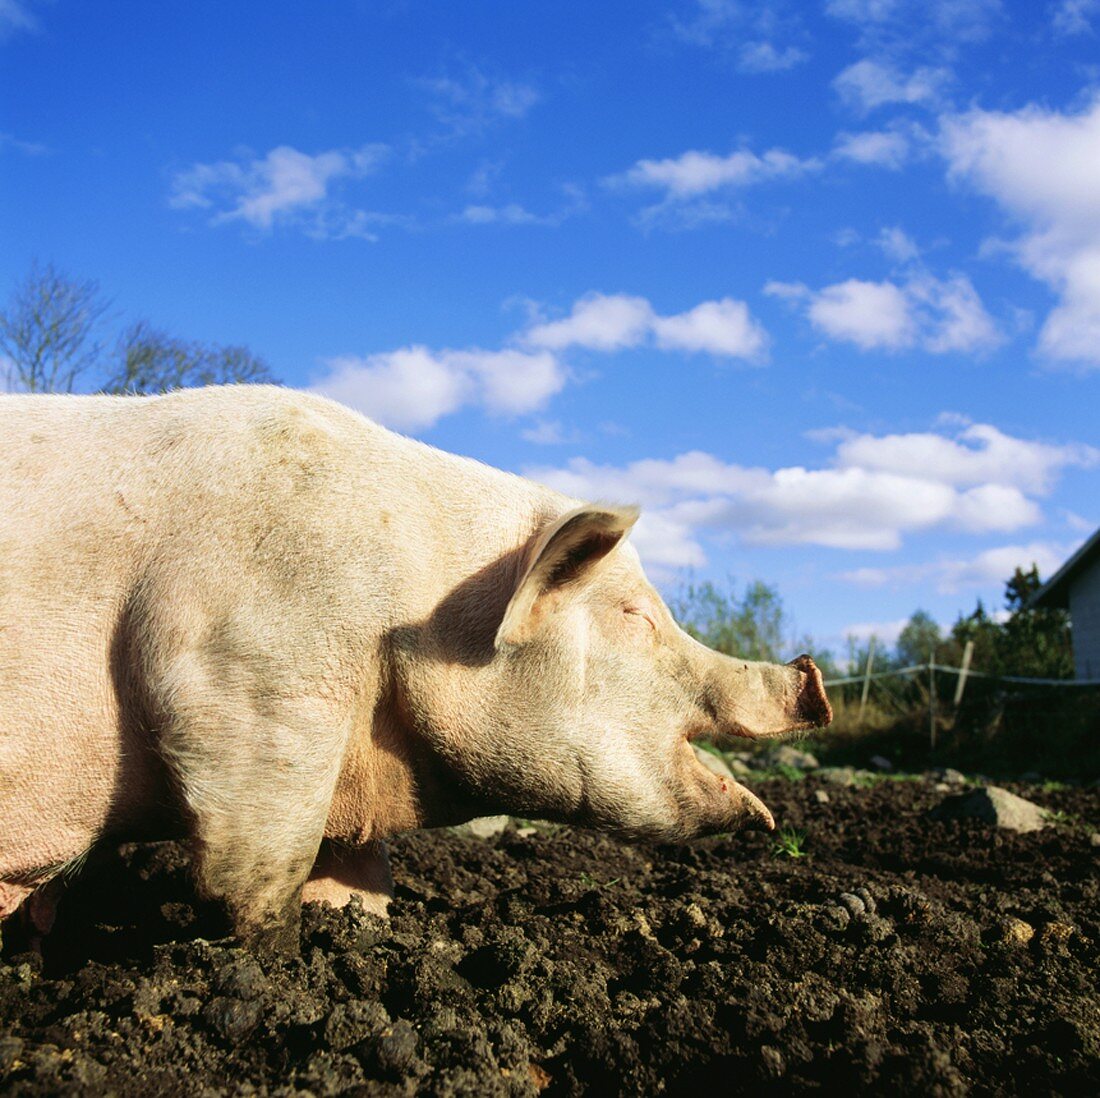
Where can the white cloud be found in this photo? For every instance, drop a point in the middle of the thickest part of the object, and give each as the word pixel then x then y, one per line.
pixel 753 33
pixel 868 84
pixel 510 214
pixel 1075 16
pixel 601 322
pixel 979 453
pixel 414 387
pixel 896 243
pixel 950 575
pixel 473 100
pixel 15 15
pixel 936 315
pixel 869 314
pixel 695 173
pixel 27 148
pixel 763 56
pixel 876 491
pixel 1043 169
pixel 284 187
pixel 548 432
pixel 899 25
pixel 885 632
pixel 882 148
pixel 722 327
pixel 612 322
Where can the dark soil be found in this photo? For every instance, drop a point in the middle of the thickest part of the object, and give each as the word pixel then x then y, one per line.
pixel 898 955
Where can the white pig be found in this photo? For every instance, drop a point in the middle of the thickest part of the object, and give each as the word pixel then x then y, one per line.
pixel 252 617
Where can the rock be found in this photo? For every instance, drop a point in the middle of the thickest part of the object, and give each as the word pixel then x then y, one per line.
pixel 1094 838
pixel 881 763
pixel 233 1019
pixel 821 796
pixel 994 805
pixel 242 978
pixel 951 777
pixel 785 755
pixel 712 762
pixel 844 775
pixel 486 827
pixel 1016 932
pixel 740 768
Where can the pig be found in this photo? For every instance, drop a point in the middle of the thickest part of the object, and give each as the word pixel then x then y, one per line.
pixel 249 617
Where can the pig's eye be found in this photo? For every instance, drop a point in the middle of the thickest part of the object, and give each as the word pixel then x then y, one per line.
pixel 638 614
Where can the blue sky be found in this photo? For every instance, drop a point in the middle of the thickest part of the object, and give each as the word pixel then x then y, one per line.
pixel 818 284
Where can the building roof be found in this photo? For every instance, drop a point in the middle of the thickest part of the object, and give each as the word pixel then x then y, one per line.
pixel 1055 592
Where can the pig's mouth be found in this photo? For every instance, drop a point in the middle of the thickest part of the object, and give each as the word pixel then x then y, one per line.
pixel 726 804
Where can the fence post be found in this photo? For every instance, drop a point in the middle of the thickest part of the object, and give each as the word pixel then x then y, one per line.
pixel 867 677
pixel 932 699
pixel 968 651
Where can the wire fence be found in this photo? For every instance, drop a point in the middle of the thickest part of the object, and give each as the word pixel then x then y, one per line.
pixel 933 668
pixel 962 699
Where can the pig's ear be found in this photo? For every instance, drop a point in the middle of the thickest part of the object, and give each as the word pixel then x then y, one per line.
pixel 564 554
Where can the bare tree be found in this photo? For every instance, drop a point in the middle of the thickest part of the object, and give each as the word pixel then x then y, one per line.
pixel 151 361
pixel 49 337
pixel 48 331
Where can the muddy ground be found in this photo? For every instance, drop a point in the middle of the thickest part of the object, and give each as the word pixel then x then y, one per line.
pixel 897 955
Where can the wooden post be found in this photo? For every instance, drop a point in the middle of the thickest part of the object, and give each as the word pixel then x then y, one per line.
pixel 867 677
pixel 968 652
pixel 932 699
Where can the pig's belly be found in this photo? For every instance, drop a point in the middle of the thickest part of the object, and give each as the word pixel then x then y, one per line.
pixel 69 773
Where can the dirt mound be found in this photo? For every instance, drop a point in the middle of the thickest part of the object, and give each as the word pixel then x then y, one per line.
pixel 897 953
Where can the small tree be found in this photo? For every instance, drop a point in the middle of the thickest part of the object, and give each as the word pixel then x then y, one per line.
pixel 918 639
pixel 48 331
pixel 49 334
pixel 1034 641
pixel 151 361
pixel 751 626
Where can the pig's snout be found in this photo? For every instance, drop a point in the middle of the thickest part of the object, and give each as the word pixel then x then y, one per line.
pixel 812 702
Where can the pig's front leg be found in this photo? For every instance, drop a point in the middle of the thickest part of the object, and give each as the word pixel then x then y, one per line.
pixel 257 780
pixel 342 872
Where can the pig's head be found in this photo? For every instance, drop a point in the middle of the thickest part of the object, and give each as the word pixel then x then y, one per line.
pixel 586 695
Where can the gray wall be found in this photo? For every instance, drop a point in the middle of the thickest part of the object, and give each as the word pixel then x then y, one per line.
pixel 1084 609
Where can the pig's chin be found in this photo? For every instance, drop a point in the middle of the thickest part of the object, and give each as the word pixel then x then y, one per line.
pixel 722 803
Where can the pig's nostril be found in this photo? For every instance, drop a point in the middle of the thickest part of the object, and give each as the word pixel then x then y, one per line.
pixel 813 703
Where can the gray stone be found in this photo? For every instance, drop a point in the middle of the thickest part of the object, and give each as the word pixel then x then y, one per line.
pixel 785 755
pixel 1094 838
pixel 821 796
pixel 740 769
pixel 881 762
pixel 952 777
pixel 994 805
pixel 485 827
pixel 841 775
pixel 712 762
